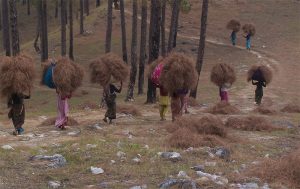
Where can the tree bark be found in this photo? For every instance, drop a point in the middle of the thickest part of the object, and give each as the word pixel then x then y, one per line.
pixel 63 28
pixel 38 28
pixel 123 27
pixel 154 41
pixel 109 27
pixel 6 33
pixel 87 7
pixel 71 54
pixel 201 44
pixel 44 31
pixel 163 29
pixel 14 28
pixel 81 16
pixel 0 17
pixel 143 47
pixel 174 23
pixel 133 70
pixel 28 7
pixel 97 3
pixel 56 8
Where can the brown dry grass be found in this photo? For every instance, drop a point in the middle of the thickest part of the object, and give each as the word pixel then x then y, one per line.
pixel 51 122
pixel 223 108
pixel 67 75
pixel 178 73
pixel 128 109
pixel 265 110
pixel 250 123
pixel 291 108
pixel 234 25
pixel 260 72
pixel 17 74
pixel 285 170
pixel 195 132
pixel 88 104
pixel 249 29
pixel 222 73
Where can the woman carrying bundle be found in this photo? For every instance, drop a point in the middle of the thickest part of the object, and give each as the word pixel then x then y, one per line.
pixel 249 30
pixel 235 26
pixel 259 93
pixel 62 109
pixel 17 111
pixel 110 99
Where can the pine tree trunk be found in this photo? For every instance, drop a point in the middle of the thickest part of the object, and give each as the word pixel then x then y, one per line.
pixel 133 70
pixel 143 47
pixel 174 23
pixel 201 44
pixel 123 27
pixel 71 54
pixel 6 33
pixel 97 3
pixel 87 7
pixel 81 16
pixel 109 27
pixel 0 17
pixel 14 28
pixel 154 41
pixel 63 28
pixel 163 29
pixel 56 8
pixel 44 31
pixel 38 28
pixel 28 7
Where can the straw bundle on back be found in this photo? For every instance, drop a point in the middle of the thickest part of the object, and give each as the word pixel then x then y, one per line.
pixel 222 73
pixel 249 29
pixel 260 73
pixel 234 25
pixel 107 66
pixel 16 75
pixel 178 73
pixel 67 76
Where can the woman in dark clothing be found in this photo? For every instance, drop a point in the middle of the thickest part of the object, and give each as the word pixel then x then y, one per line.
pixel 17 111
pixel 110 99
pixel 259 90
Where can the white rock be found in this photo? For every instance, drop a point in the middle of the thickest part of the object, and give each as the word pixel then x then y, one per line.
pixel 96 170
pixel 190 149
pixel 146 147
pixel 121 154
pixel 215 178
pixel 139 187
pixel 136 160
pixel 112 162
pixel 54 184
pixel 210 164
pixel 7 147
pixel 182 174
pixel 90 146
pixel 267 155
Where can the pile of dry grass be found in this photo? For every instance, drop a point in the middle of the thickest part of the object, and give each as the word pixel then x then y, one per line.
pixel 260 73
pixel 107 66
pixel 234 25
pixel 16 75
pixel 265 110
pixel 223 107
pixel 250 123
pixel 291 108
pixel 67 76
pixel 285 170
pixel 249 29
pixel 178 73
pixel 51 122
pixel 222 73
pixel 129 110
pixel 194 132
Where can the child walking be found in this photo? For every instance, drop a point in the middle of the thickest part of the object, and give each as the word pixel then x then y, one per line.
pixel 110 99
pixel 17 111
pixel 163 103
pixel 259 93
pixel 248 41
pixel 63 110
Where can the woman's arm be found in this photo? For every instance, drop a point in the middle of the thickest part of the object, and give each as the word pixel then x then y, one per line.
pixel 264 84
pixel 120 89
pixel 254 83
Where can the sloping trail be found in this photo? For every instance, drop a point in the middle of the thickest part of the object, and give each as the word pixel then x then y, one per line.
pixel 247 92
